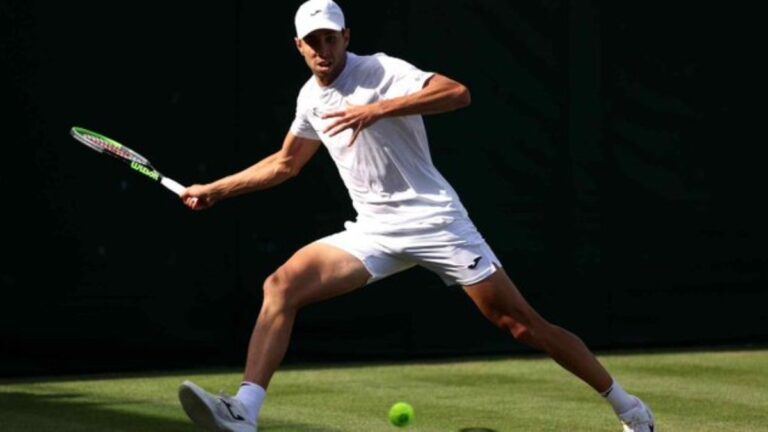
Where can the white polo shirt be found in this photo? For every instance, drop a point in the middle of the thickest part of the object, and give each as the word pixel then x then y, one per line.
pixel 388 171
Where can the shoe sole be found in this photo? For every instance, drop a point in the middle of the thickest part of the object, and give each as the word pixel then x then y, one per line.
pixel 197 410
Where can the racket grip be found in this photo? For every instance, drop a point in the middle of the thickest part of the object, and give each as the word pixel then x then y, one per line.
pixel 172 185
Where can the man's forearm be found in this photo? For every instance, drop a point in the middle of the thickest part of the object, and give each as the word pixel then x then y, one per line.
pixel 265 174
pixel 440 95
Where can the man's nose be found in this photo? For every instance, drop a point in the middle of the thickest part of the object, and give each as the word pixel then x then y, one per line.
pixel 323 49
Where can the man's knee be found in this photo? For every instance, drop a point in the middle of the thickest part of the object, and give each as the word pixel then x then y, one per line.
pixel 278 289
pixel 517 329
pixel 529 331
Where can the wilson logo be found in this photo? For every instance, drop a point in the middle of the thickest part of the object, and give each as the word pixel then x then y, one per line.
pixel 144 170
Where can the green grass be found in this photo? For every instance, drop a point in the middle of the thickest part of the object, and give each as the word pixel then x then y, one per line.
pixel 707 391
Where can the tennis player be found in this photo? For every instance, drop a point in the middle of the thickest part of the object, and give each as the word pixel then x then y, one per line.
pixel 366 111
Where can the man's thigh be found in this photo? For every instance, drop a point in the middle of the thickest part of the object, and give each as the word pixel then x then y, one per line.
pixel 320 271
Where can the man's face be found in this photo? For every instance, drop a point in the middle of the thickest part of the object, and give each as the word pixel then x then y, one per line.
pixel 325 52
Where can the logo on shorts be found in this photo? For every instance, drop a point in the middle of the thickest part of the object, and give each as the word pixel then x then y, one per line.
pixel 474 262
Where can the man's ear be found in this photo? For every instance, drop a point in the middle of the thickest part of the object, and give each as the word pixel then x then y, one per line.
pixel 345 33
pixel 298 43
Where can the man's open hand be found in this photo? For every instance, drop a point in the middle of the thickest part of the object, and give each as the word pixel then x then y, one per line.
pixel 355 117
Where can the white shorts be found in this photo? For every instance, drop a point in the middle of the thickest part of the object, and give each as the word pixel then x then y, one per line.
pixel 455 252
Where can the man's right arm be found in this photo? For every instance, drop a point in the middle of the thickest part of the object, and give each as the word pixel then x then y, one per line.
pixel 270 171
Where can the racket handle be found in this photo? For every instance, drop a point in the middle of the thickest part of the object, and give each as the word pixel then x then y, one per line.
pixel 172 185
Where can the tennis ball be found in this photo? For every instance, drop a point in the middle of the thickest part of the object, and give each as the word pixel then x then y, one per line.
pixel 401 414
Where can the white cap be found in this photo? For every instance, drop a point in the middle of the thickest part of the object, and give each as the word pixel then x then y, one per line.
pixel 318 14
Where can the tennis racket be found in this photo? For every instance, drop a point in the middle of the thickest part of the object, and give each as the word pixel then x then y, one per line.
pixel 137 162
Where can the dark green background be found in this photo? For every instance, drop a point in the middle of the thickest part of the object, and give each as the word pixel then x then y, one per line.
pixel 612 157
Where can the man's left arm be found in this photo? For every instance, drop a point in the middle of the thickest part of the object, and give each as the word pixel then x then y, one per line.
pixel 439 94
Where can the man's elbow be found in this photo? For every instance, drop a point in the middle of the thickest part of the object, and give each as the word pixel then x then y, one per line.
pixel 287 170
pixel 292 171
pixel 463 97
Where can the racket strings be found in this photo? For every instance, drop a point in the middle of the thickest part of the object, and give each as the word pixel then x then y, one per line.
pixel 112 148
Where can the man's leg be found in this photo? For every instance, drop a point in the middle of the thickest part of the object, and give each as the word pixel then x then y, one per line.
pixel 500 301
pixel 316 272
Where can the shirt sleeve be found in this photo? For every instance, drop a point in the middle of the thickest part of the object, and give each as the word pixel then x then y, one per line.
pixel 401 77
pixel 301 126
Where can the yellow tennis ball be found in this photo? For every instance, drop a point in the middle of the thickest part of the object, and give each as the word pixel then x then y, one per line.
pixel 401 414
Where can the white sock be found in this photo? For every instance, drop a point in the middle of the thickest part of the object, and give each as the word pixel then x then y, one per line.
pixel 252 396
pixel 619 399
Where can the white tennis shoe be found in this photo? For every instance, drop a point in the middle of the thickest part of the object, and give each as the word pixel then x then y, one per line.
pixel 638 419
pixel 214 413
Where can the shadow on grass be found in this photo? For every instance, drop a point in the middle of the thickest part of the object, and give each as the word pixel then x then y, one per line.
pixel 265 425
pixel 476 429
pixel 67 412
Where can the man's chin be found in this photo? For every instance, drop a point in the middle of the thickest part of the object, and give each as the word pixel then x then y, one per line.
pixel 323 73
